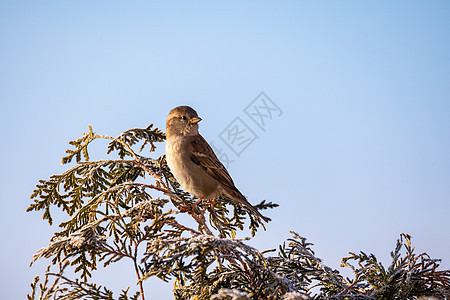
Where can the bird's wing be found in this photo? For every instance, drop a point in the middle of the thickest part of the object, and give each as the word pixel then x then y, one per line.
pixel 203 155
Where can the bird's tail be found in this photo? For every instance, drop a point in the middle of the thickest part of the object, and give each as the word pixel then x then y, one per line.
pixel 236 195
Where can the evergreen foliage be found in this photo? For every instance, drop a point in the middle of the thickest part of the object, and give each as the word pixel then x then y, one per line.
pixel 128 208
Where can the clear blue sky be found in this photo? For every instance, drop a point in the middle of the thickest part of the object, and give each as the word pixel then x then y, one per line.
pixel 360 154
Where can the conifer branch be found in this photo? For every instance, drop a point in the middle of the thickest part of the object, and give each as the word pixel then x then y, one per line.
pixel 112 212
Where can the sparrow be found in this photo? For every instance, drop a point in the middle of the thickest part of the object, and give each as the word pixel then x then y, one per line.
pixel 193 162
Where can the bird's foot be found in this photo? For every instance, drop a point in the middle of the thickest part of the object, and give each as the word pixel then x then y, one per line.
pixel 189 208
pixel 212 202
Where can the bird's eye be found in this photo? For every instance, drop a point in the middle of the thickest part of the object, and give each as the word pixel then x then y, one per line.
pixel 184 117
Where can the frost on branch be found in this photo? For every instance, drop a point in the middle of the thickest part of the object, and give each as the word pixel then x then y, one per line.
pixel 84 238
pixel 129 207
pixel 230 294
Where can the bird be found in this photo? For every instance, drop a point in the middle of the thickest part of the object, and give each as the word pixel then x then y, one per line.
pixel 193 162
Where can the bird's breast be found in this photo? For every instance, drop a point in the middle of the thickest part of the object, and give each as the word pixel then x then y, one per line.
pixel 175 157
pixel 179 161
pixel 189 175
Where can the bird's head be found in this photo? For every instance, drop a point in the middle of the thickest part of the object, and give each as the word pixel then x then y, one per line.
pixel 182 121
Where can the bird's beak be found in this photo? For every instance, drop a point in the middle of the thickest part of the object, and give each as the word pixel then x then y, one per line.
pixel 195 120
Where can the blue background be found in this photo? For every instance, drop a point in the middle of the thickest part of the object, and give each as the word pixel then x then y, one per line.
pixel 360 154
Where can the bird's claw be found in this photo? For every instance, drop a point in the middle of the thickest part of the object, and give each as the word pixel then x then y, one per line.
pixel 188 207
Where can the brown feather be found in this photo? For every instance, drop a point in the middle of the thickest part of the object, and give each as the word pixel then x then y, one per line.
pixel 204 156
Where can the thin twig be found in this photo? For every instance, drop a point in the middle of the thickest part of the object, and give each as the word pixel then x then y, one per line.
pixel 175 224
pixel 141 285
